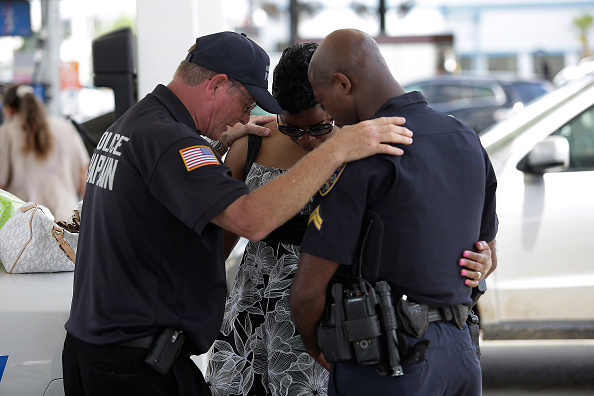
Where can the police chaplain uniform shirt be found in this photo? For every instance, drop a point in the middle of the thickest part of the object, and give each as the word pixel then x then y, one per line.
pixel 138 268
pixel 442 189
pixel 149 258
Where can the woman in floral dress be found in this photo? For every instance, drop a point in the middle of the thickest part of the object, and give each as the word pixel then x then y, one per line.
pixel 258 351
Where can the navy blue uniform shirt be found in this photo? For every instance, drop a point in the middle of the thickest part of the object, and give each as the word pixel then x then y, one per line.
pixel 428 206
pixel 148 256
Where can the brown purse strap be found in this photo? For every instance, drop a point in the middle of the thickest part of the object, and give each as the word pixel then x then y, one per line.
pixel 58 234
pixel 76 217
pixel 23 209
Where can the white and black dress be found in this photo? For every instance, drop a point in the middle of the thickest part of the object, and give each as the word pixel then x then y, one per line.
pixel 259 351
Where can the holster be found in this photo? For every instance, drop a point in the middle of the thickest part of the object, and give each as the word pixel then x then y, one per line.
pixel 415 317
pixel 474 330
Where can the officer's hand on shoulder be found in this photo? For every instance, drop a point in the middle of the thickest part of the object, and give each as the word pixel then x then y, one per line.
pixel 253 127
pixel 370 137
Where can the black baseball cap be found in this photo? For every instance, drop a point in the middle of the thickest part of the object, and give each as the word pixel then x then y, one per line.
pixel 239 58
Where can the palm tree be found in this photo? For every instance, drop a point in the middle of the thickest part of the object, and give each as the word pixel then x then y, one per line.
pixel 584 23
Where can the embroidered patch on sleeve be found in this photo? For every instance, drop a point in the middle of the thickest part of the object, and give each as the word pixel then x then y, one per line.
pixel 316 218
pixel 197 156
pixel 326 187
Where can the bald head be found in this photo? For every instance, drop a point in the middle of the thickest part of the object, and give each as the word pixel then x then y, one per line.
pixel 347 51
pixel 350 76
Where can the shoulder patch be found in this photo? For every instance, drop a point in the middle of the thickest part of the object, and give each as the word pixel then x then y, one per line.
pixel 316 218
pixel 197 156
pixel 325 189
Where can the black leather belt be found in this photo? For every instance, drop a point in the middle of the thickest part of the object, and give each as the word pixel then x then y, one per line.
pixel 142 342
pixel 434 315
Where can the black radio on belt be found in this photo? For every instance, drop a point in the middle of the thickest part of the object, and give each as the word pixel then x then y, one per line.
pixel 362 323
pixel 359 324
pixel 350 328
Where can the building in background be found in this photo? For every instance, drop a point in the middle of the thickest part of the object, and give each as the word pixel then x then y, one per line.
pixel 527 38
pixel 419 38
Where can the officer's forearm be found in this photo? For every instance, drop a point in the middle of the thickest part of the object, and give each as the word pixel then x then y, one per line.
pixel 307 326
pixel 257 214
pixel 308 299
pixel 260 212
pixel 307 309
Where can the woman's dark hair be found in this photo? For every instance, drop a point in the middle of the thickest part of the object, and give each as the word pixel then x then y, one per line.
pixel 290 86
pixel 32 117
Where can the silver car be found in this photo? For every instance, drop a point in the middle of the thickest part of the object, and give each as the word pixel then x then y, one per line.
pixel 544 160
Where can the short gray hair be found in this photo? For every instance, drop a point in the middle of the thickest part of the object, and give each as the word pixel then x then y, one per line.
pixel 193 74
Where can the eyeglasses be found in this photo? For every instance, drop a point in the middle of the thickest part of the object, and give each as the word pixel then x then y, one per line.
pixel 316 130
pixel 249 108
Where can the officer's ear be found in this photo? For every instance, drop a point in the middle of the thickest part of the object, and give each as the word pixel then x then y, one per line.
pixel 217 85
pixel 342 83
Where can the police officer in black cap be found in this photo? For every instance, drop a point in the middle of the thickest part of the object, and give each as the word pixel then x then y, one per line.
pixel 149 284
pixel 404 221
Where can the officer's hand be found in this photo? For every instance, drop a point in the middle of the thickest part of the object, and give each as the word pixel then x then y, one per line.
pixel 253 127
pixel 371 137
pixel 476 264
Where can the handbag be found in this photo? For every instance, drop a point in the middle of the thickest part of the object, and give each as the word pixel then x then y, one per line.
pixel 31 241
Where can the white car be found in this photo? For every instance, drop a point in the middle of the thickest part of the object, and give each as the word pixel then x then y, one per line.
pixel 544 161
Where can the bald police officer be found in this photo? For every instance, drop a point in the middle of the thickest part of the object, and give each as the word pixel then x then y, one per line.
pixel 441 191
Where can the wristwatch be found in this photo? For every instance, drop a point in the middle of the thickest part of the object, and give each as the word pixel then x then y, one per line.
pixel 219 146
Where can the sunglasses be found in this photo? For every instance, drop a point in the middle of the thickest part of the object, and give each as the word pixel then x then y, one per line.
pixel 316 130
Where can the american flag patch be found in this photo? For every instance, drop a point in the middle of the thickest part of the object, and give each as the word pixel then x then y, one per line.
pixel 197 156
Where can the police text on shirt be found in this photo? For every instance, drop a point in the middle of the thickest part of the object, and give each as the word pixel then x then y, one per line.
pixel 104 162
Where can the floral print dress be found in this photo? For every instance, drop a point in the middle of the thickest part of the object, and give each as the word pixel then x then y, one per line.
pixel 258 351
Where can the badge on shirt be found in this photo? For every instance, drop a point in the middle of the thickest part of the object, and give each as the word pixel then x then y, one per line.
pixel 197 156
pixel 316 218
pixel 325 189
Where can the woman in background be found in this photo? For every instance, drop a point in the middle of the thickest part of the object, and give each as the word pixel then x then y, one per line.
pixel 258 351
pixel 42 159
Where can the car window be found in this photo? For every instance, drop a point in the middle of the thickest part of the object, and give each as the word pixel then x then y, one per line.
pixel 579 132
pixel 448 93
pixel 442 93
pixel 434 93
pixel 476 91
pixel 527 92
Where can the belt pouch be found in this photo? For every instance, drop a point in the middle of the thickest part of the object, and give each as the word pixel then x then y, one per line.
pixel 459 315
pixel 413 316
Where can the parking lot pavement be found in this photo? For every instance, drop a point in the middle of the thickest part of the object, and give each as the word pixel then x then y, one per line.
pixel 543 367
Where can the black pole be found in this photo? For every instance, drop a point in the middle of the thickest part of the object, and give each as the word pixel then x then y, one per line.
pixel 382 15
pixel 293 12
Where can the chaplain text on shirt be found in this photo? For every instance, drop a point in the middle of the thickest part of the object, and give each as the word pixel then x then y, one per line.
pixel 104 162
